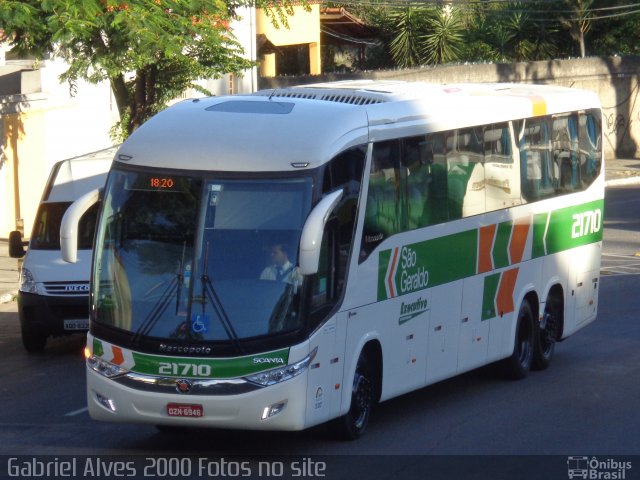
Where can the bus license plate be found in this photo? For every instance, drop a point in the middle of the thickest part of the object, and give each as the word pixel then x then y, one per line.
pixel 180 410
pixel 77 324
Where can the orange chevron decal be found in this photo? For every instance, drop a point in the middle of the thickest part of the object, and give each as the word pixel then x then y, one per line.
pixel 118 357
pixel 504 299
pixel 485 259
pixel 519 239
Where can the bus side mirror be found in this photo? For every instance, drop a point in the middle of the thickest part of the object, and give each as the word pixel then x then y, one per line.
pixel 16 244
pixel 312 231
pixel 69 225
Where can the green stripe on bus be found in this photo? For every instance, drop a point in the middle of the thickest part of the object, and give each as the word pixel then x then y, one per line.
pixel 491 283
pixel 428 264
pixel 98 349
pixel 383 263
pixel 568 228
pixel 208 367
pixel 453 257
pixel 539 226
pixel 501 245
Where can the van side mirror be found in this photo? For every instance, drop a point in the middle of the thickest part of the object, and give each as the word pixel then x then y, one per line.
pixel 69 225
pixel 16 244
pixel 312 231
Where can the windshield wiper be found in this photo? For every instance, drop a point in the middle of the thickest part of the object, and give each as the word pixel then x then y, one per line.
pixel 173 288
pixel 156 312
pixel 209 292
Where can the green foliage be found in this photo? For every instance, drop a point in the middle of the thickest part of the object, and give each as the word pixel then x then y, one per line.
pixel 149 50
pixel 445 38
pixel 410 25
pixel 427 35
pixel 616 35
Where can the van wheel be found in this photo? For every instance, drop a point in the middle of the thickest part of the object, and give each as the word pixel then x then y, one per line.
pixel 353 424
pixel 518 365
pixel 33 342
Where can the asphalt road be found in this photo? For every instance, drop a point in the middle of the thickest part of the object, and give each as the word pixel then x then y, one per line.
pixel 586 404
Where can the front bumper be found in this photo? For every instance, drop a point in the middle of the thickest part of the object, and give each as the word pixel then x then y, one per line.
pixel 46 314
pixel 111 401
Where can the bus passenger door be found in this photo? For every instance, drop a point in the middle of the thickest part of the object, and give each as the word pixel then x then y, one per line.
pixel 584 280
pixel 474 329
pixel 324 388
pixel 443 331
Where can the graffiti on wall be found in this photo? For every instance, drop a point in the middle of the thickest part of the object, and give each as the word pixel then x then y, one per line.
pixel 619 121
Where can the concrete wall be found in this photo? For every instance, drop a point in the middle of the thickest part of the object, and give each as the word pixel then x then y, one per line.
pixel 615 79
pixel 303 28
pixel 40 128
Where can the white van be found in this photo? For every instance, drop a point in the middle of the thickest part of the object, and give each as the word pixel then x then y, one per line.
pixel 53 298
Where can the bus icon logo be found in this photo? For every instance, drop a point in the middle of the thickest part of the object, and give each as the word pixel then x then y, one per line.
pixel 578 467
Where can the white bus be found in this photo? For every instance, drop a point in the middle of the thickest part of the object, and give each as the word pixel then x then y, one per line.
pixel 282 259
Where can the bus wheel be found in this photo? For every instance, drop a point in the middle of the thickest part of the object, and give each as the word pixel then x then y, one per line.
pixel 353 424
pixel 517 366
pixel 546 335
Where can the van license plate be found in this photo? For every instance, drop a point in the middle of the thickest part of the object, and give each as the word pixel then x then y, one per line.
pixel 181 410
pixel 76 324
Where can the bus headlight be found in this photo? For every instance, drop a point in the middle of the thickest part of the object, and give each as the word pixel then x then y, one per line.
pixel 27 282
pixel 104 368
pixel 277 375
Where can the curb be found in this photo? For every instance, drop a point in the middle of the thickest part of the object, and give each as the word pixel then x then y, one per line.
pixel 621 182
pixel 7 297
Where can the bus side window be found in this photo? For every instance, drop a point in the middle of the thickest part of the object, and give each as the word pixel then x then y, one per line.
pixel 537 169
pixel 417 160
pixel 565 152
pixel 465 172
pixel 438 191
pixel 589 146
pixel 501 177
pixel 382 214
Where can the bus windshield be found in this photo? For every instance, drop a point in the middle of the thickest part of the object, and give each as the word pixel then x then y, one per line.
pixel 200 259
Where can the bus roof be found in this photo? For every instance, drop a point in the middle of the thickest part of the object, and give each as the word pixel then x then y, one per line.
pixel 305 126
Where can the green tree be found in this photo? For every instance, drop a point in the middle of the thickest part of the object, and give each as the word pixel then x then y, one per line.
pixel 410 25
pixel 149 50
pixel 444 40
pixel 521 31
pixel 616 33
pixel 578 21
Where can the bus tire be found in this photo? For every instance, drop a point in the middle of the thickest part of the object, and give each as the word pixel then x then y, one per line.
pixel 33 342
pixel 353 424
pixel 546 332
pixel 518 365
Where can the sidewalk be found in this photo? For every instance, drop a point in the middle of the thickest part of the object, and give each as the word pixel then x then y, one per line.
pixel 8 274
pixel 618 172
pixel 622 172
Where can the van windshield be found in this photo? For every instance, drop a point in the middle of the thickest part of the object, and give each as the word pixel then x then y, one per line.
pixel 46 229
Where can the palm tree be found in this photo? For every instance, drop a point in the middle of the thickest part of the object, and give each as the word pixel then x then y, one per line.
pixel 445 38
pixel 410 24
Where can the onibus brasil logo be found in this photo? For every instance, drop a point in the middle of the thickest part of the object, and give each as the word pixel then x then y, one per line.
pixel 597 469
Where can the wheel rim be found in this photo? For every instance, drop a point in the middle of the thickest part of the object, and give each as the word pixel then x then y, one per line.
pixel 524 341
pixel 361 400
pixel 547 335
